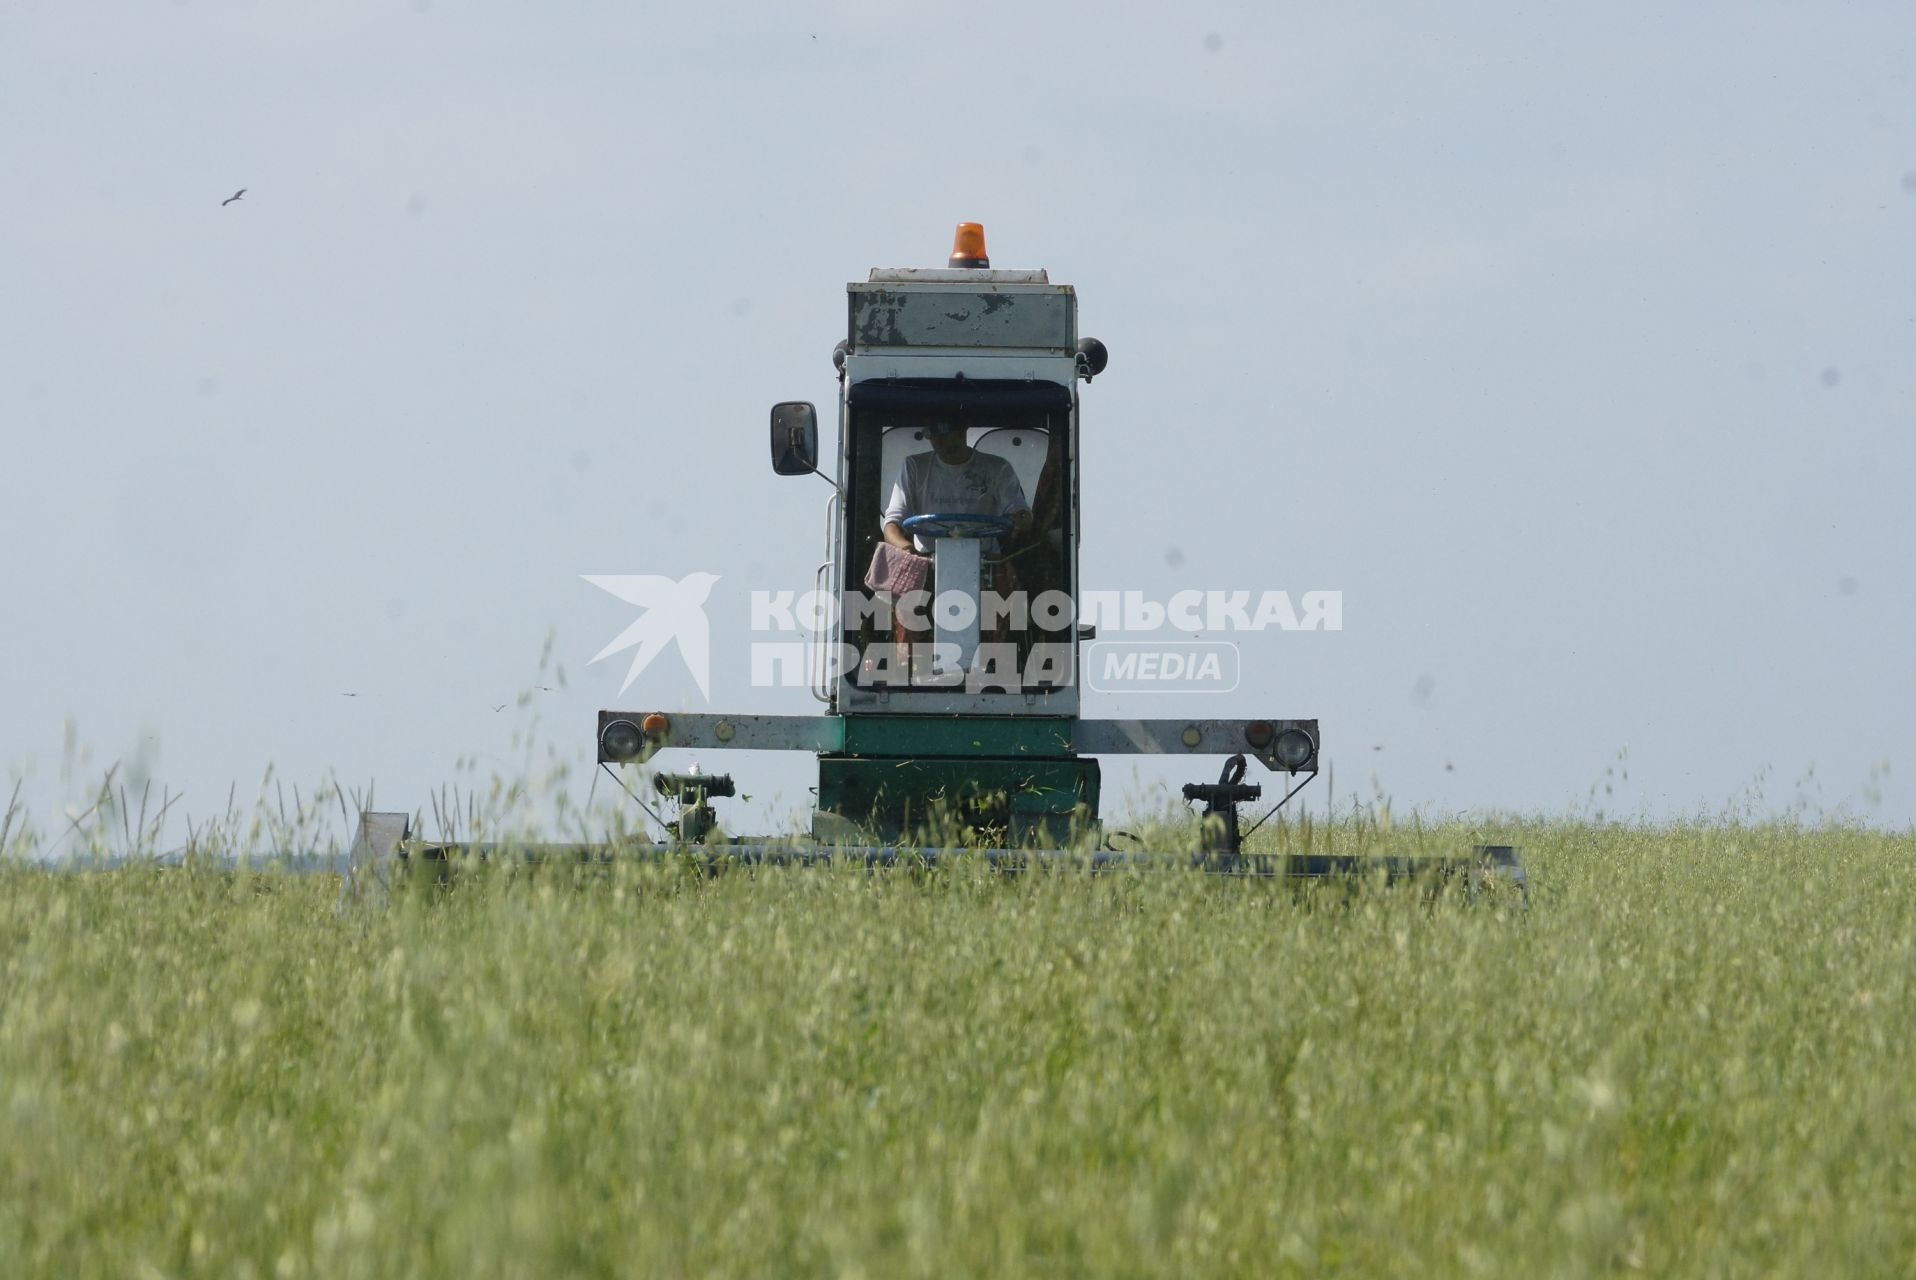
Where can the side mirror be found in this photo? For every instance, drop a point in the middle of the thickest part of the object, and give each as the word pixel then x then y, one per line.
pixel 794 438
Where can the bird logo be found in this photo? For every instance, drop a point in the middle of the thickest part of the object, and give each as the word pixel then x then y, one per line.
pixel 674 611
pixel 236 195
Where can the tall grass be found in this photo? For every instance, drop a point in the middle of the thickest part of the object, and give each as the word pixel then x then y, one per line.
pixel 1691 1056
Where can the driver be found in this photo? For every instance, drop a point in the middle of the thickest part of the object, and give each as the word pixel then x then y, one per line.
pixel 954 479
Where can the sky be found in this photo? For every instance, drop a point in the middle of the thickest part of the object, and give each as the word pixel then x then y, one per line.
pixel 1570 343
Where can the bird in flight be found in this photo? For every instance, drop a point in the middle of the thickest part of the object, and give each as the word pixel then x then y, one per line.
pixel 236 195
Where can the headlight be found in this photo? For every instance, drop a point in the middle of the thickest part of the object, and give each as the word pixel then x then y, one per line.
pixel 1294 749
pixel 621 741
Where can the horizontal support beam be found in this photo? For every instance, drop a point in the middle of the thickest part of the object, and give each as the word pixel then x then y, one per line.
pixel 1190 738
pixel 958 736
pixel 707 731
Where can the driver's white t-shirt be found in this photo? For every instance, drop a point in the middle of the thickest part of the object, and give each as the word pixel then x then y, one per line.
pixel 982 485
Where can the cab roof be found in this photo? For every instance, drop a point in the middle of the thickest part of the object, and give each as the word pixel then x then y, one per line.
pixel 956 275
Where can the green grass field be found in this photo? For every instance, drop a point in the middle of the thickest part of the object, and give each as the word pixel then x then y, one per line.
pixel 1693 1055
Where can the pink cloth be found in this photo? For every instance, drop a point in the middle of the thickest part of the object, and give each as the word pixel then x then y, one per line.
pixel 898 571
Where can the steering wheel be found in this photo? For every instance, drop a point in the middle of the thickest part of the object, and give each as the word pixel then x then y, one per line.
pixel 955 526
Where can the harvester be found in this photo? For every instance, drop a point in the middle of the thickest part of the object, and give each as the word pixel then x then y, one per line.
pixel 951 640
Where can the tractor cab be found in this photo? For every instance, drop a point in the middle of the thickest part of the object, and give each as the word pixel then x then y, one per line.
pixel 953 518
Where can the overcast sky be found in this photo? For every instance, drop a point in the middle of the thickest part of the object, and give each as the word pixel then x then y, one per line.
pixel 1571 343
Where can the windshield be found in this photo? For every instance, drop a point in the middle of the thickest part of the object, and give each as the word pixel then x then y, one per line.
pixel 1011 472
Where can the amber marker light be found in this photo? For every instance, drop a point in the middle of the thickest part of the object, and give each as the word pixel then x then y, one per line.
pixel 654 725
pixel 968 246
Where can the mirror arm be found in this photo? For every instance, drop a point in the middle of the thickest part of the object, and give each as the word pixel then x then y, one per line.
pixel 820 472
